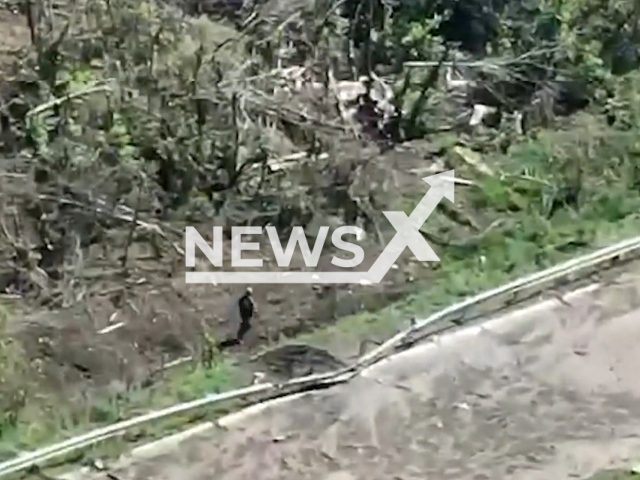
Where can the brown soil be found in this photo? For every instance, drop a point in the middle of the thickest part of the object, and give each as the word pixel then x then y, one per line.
pixel 550 392
pixel 15 35
pixel 164 319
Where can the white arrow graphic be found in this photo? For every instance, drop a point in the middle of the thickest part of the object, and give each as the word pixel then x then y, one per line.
pixel 408 228
pixel 408 235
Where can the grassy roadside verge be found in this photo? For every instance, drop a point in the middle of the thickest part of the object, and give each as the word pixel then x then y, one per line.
pixel 542 225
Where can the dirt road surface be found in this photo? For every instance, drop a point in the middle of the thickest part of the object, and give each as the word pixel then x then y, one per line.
pixel 551 391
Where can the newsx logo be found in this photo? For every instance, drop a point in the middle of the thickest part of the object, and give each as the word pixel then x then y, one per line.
pixel 407 235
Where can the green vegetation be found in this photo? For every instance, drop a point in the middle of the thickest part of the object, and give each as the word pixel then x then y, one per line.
pixel 614 474
pixel 169 115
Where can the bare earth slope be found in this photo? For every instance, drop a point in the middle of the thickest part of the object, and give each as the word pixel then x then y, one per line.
pixel 549 392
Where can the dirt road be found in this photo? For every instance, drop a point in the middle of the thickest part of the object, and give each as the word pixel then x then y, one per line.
pixel 548 392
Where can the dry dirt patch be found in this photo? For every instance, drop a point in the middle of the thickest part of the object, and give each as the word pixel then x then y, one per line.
pixel 15 35
pixel 127 329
